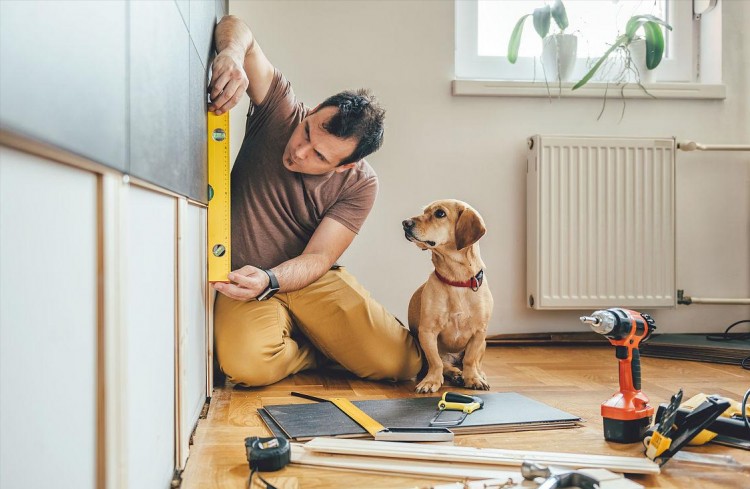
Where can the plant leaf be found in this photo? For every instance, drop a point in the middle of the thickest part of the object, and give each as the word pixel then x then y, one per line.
pixel 654 44
pixel 620 41
pixel 560 15
pixel 541 20
pixel 637 21
pixel 515 39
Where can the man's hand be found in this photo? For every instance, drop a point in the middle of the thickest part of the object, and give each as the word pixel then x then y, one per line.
pixel 228 81
pixel 248 284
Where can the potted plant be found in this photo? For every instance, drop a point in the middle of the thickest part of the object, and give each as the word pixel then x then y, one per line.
pixel 558 50
pixel 634 51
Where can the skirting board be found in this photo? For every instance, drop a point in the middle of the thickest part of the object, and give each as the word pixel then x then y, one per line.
pixel 479 456
pixel 438 470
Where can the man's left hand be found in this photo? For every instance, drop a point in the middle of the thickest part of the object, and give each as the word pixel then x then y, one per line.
pixel 247 283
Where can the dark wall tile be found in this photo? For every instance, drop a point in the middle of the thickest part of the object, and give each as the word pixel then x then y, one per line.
pixel 197 170
pixel 202 22
pixel 159 95
pixel 63 75
pixel 184 6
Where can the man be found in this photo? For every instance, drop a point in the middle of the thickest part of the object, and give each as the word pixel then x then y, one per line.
pixel 301 190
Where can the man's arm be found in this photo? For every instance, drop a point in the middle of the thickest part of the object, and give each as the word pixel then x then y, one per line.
pixel 329 241
pixel 239 66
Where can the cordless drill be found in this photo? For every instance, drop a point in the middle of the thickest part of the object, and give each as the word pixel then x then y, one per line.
pixel 627 414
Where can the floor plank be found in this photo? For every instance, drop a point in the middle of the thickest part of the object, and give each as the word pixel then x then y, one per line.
pixel 576 379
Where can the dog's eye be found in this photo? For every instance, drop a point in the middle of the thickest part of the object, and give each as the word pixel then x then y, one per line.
pixel 440 213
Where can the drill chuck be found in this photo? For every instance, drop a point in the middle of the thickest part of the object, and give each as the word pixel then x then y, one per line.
pixel 603 322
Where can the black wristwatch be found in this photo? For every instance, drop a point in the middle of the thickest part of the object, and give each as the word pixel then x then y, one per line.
pixel 273 287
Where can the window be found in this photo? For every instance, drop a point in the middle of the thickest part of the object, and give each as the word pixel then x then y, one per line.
pixel 483 28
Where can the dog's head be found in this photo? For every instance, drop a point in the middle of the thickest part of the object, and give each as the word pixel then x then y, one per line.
pixel 448 224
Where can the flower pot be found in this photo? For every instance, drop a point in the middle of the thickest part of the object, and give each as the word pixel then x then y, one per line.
pixel 637 50
pixel 559 56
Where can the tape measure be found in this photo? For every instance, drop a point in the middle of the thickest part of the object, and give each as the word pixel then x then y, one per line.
pixel 267 454
pixel 219 203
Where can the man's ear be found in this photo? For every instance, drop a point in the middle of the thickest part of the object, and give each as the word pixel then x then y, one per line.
pixel 469 228
pixel 346 167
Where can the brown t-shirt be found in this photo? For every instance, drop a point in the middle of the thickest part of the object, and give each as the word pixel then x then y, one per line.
pixel 275 211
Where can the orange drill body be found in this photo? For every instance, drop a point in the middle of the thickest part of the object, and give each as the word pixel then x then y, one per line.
pixel 627 414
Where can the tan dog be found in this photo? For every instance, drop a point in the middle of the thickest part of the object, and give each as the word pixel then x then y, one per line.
pixel 449 313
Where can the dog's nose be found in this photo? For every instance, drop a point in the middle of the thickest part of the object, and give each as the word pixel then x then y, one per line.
pixel 408 223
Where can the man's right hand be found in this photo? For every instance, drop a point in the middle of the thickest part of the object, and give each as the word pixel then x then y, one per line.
pixel 228 81
pixel 248 284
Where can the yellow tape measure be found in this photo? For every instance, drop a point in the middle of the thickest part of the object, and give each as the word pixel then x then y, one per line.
pixel 219 203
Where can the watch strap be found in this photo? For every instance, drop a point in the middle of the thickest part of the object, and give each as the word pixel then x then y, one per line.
pixel 273 286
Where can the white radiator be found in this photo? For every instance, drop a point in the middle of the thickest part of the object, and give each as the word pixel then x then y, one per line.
pixel 600 222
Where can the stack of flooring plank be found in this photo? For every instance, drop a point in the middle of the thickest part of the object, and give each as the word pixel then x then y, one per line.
pixel 502 412
pixel 697 347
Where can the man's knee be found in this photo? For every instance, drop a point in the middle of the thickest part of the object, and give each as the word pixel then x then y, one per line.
pixel 246 365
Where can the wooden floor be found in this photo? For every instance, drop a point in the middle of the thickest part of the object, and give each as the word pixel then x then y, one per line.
pixel 574 379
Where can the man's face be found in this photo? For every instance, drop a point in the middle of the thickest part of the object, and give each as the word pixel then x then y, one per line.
pixel 314 151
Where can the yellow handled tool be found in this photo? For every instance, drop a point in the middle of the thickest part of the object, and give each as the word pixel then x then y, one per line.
pixel 453 401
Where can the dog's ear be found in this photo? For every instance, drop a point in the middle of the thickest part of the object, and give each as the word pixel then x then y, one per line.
pixel 469 228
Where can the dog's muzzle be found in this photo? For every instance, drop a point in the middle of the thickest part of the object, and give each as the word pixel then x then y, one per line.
pixel 408 225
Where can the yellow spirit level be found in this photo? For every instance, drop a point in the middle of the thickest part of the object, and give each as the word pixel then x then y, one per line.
pixel 219 203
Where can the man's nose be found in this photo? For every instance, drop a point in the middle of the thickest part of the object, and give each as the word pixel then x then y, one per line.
pixel 408 223
pixel 301 152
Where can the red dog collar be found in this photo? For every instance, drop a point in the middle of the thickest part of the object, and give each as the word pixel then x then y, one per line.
pixel 474 282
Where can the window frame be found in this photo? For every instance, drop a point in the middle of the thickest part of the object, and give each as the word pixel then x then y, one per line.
pixel 679 64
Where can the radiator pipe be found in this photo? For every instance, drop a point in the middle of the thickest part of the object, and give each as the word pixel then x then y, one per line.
pixel 693 146
pixel 687 300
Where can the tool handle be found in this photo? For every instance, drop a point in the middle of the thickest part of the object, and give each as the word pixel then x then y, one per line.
pixel 635 368
pixel 456 397
pixel 457 406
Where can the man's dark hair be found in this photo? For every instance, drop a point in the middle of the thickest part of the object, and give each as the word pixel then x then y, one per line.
pixel 359 116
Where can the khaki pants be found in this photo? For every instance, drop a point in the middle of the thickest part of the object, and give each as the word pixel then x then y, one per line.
pixel 259 343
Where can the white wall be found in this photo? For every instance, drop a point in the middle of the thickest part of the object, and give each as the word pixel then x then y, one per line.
pixel 473 148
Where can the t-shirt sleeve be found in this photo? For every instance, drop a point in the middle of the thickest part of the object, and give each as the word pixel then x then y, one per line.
pixel 278 107
pixel 355 204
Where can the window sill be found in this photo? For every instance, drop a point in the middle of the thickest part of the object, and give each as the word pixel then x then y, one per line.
pixel 502 88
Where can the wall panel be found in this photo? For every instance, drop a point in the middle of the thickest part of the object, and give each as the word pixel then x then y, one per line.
pixel 63 77
pixel 48 323
pixel 202 22
pixel 149 324
pixel 159 91
pixel 192 328
pixel 196 172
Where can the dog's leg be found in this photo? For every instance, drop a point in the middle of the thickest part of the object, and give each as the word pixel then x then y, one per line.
pixel 474 378
pixel 434 378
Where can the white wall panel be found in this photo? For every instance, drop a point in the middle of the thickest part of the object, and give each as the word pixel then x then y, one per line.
pixel 48 330
pixel 149 322
pixel 192 328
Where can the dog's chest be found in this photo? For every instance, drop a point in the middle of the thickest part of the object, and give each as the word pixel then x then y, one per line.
pixel 459 322
pixel 458 330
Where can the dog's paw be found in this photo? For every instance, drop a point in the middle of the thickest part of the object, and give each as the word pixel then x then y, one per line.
pixel 455 378
pixel 477 383
pixel 453 374
pixel 429 384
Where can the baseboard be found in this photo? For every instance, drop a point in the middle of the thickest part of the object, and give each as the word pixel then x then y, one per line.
pixel 563 338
